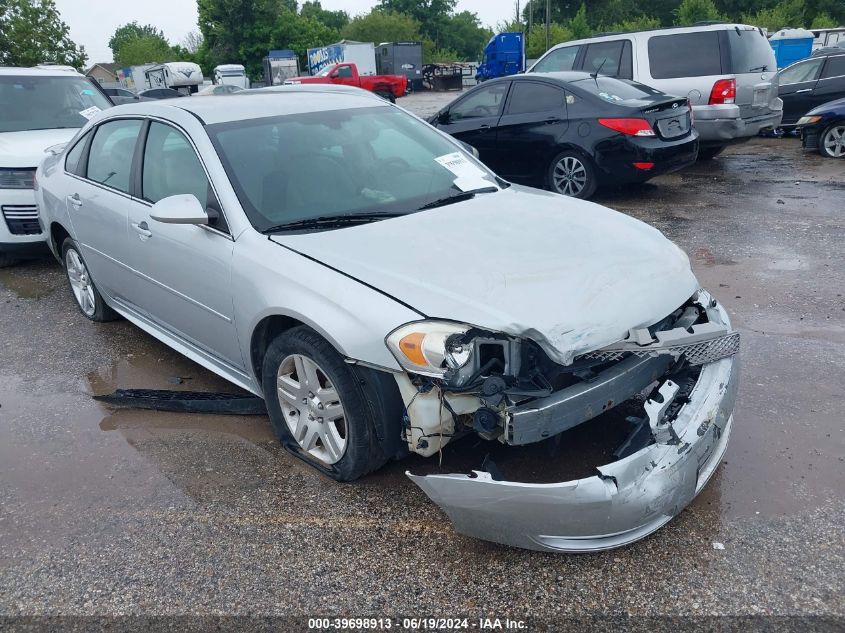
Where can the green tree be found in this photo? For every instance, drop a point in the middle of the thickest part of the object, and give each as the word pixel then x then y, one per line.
pixel 785 13
pixel 147 49
pixel 230 26
pixel 579 26
pixel 638 23
pixel 333 19
pixel 692 11
pixel 32 32
pixel 432 15
pixel 382 26
pixel 537 38
pixel 133 30
pixel 463 34
pixel 824 20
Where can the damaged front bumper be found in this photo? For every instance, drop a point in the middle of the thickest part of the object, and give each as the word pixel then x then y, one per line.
pixel 626 500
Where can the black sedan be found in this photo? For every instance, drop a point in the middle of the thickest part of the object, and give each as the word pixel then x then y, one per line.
pixel 572 131
pixel 159 93
pixel 809 83
pixel 823 129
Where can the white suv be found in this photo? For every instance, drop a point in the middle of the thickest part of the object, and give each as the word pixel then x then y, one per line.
pixel 727 71
pixel 41 107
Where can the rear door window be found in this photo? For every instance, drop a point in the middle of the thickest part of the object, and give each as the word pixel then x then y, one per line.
pixel 110 157
pixel 835 67
pixel 533 96
pixel 685 55
pixel 604 58
pixel 560 59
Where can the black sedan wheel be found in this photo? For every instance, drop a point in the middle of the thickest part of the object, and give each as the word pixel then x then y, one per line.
pixel 572 174
pixel 832 141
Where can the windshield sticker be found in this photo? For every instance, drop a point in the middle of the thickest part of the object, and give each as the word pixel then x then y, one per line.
pixel 459 165
pixel 90 113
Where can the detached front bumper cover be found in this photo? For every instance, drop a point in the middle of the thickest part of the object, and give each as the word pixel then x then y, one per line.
pixel 626 500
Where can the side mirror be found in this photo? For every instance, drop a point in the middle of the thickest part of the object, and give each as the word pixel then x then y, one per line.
pixel 443 117
pixel 181 209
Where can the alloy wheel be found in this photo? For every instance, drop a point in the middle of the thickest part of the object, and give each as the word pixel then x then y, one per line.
pixel 570 176
pixel 80 282
pixel 834 141
pixel 312 408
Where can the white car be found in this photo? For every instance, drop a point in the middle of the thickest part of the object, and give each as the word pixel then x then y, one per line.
pixel 387 294
pixel 40 108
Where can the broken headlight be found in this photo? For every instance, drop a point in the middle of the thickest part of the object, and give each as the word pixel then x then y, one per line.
pixel 423 347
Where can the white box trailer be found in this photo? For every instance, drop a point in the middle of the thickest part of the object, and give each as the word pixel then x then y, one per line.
pixel 362 54
pixel 231 75
pixel 186 77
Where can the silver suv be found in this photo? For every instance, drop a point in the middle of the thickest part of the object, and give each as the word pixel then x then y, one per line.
pixel 727 71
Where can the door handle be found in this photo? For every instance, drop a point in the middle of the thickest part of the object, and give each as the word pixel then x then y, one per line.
pixel 484 128
pixel 142 229
pixel 803 90
pixel 75 200
pixel 552 119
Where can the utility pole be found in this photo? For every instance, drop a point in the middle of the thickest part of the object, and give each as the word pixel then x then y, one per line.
pixel 530 7
pixel 548 24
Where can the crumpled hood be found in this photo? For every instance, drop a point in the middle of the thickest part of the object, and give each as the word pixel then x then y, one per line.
pixel 571 275
pixel 26 149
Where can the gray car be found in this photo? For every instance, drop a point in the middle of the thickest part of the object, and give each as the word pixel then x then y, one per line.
pixel 727 71
pixel 387 294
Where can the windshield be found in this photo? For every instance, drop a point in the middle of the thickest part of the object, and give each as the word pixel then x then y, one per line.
pixel 29 102
pixel 363 160
pixel 615 90
pixel 750 52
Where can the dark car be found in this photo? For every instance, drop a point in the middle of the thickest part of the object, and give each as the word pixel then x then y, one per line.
pixel 120 96
pixel 809 83
pixel 159 93
pixel 823 129
pixel 573 131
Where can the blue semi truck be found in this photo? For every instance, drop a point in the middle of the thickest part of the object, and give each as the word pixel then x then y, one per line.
pixel 504 55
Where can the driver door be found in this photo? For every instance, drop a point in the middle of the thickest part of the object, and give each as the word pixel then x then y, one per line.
pixel 474 119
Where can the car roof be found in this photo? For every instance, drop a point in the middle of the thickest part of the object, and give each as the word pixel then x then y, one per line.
pixel 669 30
pixel 245 105
pixel 39 71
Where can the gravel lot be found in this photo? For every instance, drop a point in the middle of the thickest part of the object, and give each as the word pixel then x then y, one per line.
pixel 118 512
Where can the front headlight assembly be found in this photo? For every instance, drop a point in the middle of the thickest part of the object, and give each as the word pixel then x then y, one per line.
pixel 423 347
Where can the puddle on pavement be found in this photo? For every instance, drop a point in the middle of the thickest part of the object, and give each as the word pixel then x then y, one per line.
pixel 32 280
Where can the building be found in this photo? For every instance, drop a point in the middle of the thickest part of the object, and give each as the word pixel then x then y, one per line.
pixel 104 73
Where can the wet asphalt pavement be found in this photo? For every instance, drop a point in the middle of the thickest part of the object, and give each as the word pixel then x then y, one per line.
pixel 108 511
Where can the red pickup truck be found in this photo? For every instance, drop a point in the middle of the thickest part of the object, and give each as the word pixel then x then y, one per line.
pixel 388 86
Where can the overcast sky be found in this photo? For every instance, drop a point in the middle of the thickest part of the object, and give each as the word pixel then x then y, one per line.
pixel 92 22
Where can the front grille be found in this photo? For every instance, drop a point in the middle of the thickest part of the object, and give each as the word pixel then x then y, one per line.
pixel 697 353
pixel 674 126
pixel 22 219
pixel 17 178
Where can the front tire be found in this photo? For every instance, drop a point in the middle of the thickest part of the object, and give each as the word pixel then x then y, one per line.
pixel 88 299
pixel 572 174
pixel 832 140
pixel 317 407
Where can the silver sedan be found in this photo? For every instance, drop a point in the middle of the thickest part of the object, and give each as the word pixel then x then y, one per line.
pixel 385 293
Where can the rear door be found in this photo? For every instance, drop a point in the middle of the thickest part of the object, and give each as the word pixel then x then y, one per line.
pixel 683 64
pixel 531 128
pixel 98 202
pixel 797 83
pixel 831 84
pixel 474 118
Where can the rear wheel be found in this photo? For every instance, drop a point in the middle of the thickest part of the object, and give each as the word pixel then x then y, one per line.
pixel 832 140
pixel 709 153
pixel 387 95
pixel 317 406
pixel 572 174
pixel 85 293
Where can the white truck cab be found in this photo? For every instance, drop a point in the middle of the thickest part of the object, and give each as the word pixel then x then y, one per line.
pixel 231 75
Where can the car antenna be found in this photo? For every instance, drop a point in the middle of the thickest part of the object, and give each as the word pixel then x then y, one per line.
pixel 595 74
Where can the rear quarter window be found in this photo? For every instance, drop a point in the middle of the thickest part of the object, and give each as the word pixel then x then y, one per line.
pixel 835 67
pixel 685 55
